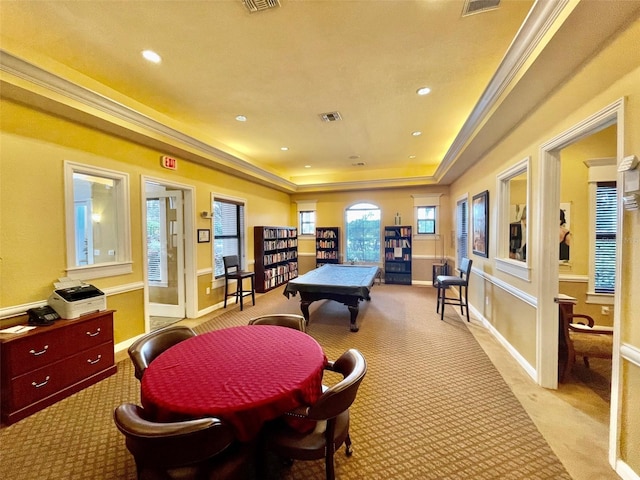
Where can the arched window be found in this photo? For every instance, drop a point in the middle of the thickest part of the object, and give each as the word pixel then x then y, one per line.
pixel 363 233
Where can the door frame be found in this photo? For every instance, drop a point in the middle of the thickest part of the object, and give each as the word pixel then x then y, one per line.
pixel 547 258
pixel 190 277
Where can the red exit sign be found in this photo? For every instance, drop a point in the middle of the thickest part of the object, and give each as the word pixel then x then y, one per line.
pixel 169 162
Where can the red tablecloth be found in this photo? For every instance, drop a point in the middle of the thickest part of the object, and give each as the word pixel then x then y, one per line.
pixel 244 375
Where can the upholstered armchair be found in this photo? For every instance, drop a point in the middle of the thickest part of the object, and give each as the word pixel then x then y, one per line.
pixel 580 336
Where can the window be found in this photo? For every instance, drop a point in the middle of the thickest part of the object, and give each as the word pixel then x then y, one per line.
pixel 605 241
pixel 307 217
pixel 426 220
pixel 426 213
pixel 363 233
pixel 228 232
pixel 513 209
pixel 603 224
pixel 97 222
pixel 462 229
pixel 308 222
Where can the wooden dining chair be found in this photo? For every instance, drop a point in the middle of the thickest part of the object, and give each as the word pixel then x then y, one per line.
pixel 331 414
pixel 288 320
pixel 444 282
pixel 191 449
pixel 232 271
pixel 144 350
pixel 579 336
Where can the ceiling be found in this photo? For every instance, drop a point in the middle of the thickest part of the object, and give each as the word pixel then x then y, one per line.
pixel 282 68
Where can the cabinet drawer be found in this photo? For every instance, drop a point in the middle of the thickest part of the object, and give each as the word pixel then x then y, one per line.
pixel 37 351
pixel 48 380
pixel 91 333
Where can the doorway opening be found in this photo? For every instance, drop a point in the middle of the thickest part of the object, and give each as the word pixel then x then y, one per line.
pixel 167 250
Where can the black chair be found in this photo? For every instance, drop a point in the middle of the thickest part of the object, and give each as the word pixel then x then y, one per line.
pixel 443 282
pixel 331 414
pixel 144 350
pixel 191 449
pixel 296 322
pixel 232 271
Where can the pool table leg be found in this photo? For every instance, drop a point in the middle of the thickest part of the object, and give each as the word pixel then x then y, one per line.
pixel 304 307
pixel 354 314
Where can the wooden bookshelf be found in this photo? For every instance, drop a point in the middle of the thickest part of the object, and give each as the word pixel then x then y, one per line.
pixel 397 254
pixel 276 256
pixel 327 245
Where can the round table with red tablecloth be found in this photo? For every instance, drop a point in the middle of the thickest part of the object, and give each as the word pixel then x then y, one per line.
pixel 244 375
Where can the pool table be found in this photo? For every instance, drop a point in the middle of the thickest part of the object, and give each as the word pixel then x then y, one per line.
pixel 348 284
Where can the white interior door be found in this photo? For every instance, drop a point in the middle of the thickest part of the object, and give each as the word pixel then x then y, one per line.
pixel 165 252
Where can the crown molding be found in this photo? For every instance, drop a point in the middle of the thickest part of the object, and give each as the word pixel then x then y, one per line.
pixel 540 19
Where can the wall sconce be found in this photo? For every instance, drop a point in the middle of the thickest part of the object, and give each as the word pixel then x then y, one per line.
pixel 631 188
pixel 206 214
pixel 96 217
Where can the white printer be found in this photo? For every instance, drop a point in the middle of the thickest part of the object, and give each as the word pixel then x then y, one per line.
pixel 75 301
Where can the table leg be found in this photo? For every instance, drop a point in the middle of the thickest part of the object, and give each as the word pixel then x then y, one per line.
pixel 304 307
pixel 354 314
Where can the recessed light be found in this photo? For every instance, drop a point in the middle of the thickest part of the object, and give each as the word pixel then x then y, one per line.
pixel 151 56
pixel 241 118
pixel 423 91
pixel 307 166
pixel 354 157
pixel 284 149
pixel 412 156
pixel 359 164
pixel 416 134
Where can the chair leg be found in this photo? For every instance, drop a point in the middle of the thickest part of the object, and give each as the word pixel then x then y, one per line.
pixel 253 291
pixel 226 291
pixel 442 302
pixel 331 473
pixel 347 446
pixel 586 362
pixel 438 301
pixel 239 293
pixel 461 303
pixel 466 302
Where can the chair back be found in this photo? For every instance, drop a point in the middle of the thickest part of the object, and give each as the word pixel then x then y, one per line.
pixel 231 264
pixel 144 350
pixel 281 319
pixel 465 268
pixel 339 397
pixel 170 445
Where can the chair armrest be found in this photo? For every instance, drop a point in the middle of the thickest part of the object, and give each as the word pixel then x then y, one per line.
pixel 589 319
pixel 300 412
pixel 597 329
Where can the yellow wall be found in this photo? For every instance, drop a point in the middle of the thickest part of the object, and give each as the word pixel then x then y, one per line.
pixel 32 221
pixel 611 75
pixel 331 212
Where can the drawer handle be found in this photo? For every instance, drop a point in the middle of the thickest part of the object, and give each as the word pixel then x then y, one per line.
pixel 35 354
pixel 38 385
pixel 97 332
pixel 93 362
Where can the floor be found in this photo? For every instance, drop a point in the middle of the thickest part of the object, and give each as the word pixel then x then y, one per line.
pixel 573 419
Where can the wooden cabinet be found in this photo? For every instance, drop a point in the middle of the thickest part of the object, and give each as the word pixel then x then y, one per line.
pixel 47 364
pixel 327 245
pixel 276 256
pixel 397 254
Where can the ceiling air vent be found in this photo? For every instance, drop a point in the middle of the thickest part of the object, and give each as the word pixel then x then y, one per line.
pixel 330 117
pixel 477 6
pixel 259 5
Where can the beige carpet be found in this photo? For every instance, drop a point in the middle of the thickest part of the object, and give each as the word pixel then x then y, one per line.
pixel 432 405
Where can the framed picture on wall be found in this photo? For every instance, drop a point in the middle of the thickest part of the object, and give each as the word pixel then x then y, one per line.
pixel 480 223
pixel 204 235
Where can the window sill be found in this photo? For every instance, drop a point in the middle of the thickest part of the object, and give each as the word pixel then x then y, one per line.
pixel 99 271
pixel 600 298
pixel 514 267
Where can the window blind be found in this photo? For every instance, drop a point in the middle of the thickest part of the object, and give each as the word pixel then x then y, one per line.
pixel 605 247
pixel 462 229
